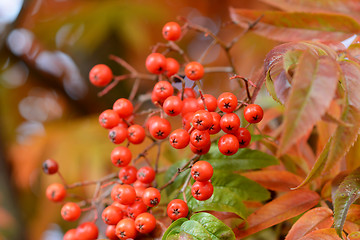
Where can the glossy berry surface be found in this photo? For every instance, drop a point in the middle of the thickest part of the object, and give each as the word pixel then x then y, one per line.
pixel 111 215
pixel 179 138
pixel 172 67
pixel 202 171
pixel 56 192
pixel 194 71
pixel 200 150
pixel 160 128
pixel 244 137
pixel 110 232
pixel 155 63
pixel 202 190
pixel 228 144
pixel 188 93
pixel 87 231
pixel 100 75
pixel 215 127
pixel 199 138
pixel 50 166
pixel 136 134
pixel 70 211
pixel 146 174
pixel 123 194
pixel 151 197
pixel 171 31
pixel 109 119
pixel 136 209
pixel 176 209
pixel 128 174
pixel 202 120
pixel 121 156
pixel 145 223
pixel 117 134
pixel 227 102
pixel 253 113
pixel 190 105
pixel 123 107
pixel 210 102
pixel 230 122
pixel 70 235
pixel 163 90
pixel 173 105
pixel 125 229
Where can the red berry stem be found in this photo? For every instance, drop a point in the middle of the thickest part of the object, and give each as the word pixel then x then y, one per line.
pixel 123 63
pixel 62 179
pixel 186 183
pixel 86 183
pixel 201 94
pixel 157 158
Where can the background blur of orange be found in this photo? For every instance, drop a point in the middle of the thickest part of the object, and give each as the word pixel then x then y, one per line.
pixel 48 107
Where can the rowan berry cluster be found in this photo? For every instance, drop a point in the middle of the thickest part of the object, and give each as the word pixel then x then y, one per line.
pixel 133 195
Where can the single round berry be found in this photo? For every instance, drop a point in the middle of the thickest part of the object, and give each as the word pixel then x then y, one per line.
pixel 202 190
pixel 111 215
pixel 70 235
pixel 230 123
pixel 228 144
pixel 136 208
pixel 109 119
pixel 244 137
pixel 186 120
pixel 171 31
pixel 202 171
pixel 110 232
pixel 215 127
pixel 87 231
pixel 121 156
pixel 100 75
pixel 227 102
pixel 176 209
pixel 199 138
pixel 128 174
pixel 137 183
pixel 202 120
pixel 173 105
pixel 150 120
pixel 118 134
pixel 210 102
pixel 136 134
pixel 200 150
pixel 156 63
pixel 190 105
pixel 163 90
pixel 56 192
pixel 121 206
pixel 156 100
pixel 123 107
pixel 253 113
pixel 70 211
pixel 145 223
pixel 139 190
pixel 188 93
pixel 146 174
pixel 151 197
pixel 125 229
pixel 179 138
pixel 194 71
pixel 123 194
pixel 50 166
pixel 160 128
pixel 172 67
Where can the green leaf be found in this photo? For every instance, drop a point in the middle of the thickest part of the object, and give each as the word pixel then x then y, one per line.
pixel 244 159
pixel 313 88
pixel 214 226
pixel 174 228
pixel 180 179
pixel 271 87
pixel 291 59
pixel 346 194
pixel 195 229
pixel 244 188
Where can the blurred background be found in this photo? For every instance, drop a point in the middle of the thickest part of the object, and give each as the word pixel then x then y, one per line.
pixel 48 108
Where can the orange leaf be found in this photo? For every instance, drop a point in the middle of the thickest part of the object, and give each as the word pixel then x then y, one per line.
pixel 323 234
pixel 285 207
pixel 317 218
pixel 275 180
pixel 354 236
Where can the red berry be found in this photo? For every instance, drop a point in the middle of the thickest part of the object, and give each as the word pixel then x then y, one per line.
pixel 111 215
pixel 194 71
pixel 118 134
pixel 227 102
pixel 156 63
pixel 202 190
pixel 179 138
pixel 123 107
pixel 150 121
pixel 163 90
pixel 176 209
pixel 109 119
pixel 187 120
pixel 145 223
pixel 202 171
pixel 56 192
pixel 70 235
pixel 110 232
pixel 253 113
pixel 200 150
pixel 70 211
pixel 125 229
pixel 228 144
pixel 121 156
pixel 135 209
pixel 173 105
pixel 171 31
pixel 160 128
pixel 139 190
pixel 199 138
pixel 188 93
pixel 244 137
pixel 100 75
pixel 230 123
pixel 136 134
pixel 215 127
pixel 128 174
pixel 202 120
pixel 87 231
pixel 121 206
pixel 146 174
pixel 151 197
pixel 137 183
pixel 50 166
pixel 156 100
pixel 123 194
pixel 190 105
pixel 210 102
pixel 172 67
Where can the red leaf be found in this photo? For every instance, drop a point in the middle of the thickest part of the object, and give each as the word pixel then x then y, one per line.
pixel 285 207
pixel 323 234
pixel 317 218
